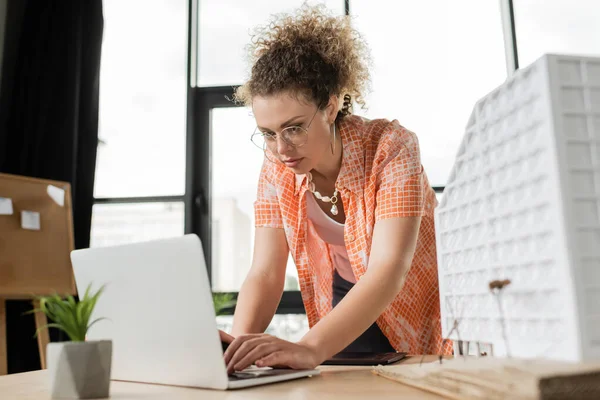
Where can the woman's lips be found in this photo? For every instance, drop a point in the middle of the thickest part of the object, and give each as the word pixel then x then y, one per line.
pixel 292 162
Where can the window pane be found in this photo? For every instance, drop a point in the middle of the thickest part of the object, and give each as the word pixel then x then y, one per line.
pixel 225 27
pixel 432 60
pixel 439 197
pixel 556 26
pixel 291 327
pixel 235 165
pixel 142 99
pixel 115 224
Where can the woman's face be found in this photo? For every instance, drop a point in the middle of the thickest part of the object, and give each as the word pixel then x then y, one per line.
pixel 282 116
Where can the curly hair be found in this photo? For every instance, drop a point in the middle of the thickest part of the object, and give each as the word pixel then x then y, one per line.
pixel 309 53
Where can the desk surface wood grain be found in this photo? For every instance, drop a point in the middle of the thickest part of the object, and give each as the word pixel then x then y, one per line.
pixel 333 383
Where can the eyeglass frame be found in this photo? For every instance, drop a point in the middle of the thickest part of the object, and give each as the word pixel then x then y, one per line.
pixel 257 131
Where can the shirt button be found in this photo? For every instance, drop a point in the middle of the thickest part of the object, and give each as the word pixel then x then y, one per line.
pixel 351 238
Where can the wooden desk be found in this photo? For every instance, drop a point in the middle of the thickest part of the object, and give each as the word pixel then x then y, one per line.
pixel 334 383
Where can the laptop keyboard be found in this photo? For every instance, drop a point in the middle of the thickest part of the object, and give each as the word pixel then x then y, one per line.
pixel 237 376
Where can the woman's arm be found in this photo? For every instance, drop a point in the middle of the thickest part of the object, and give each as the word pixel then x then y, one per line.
pixel 393 246
pixel 262 289
pixel 392 250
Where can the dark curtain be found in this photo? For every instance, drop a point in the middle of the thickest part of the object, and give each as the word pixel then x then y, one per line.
pixel 49 121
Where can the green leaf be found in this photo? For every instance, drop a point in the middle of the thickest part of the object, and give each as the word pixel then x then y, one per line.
pixel 223 301
pixel 69 315
pixel 87 293
pixel 37 331
pixel 79 316
pixel 72 335
pixel 94 321
pixel 71 301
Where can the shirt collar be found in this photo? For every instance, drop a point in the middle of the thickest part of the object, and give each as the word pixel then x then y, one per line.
pixel 352 169
pixel 299 182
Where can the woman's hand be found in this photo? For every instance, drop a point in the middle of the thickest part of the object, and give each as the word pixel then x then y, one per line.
pixel 268 351
pixel 225 337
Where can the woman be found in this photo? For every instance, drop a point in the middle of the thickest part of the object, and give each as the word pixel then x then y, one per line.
pixel 346 195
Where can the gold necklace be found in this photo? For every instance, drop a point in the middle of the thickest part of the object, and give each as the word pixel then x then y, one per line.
pixel 325 199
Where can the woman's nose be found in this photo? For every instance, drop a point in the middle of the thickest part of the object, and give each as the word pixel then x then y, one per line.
pixel 282 145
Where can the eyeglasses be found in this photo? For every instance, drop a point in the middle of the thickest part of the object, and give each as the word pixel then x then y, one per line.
pixel 295 136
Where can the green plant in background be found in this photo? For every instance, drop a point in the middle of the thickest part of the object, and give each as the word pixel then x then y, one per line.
pixel 223 301
pixel 69 315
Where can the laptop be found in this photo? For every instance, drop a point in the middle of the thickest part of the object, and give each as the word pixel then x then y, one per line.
pixel 161 317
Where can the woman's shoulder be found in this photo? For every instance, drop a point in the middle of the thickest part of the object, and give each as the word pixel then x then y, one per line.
pixel 382 135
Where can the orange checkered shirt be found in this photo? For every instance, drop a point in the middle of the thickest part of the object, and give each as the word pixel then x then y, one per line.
pixel 381 177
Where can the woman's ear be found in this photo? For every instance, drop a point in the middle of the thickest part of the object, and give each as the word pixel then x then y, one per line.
pixel 333 108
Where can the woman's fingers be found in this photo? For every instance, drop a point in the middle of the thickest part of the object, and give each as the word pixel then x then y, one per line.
pixel 235 344
pixel 275 359
pixel 225 337
pixel 243 349
pixel 292 355
pixel 267 351
pixel 259 351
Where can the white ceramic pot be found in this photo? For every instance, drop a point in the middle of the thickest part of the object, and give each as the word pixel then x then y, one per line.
pixel 79 370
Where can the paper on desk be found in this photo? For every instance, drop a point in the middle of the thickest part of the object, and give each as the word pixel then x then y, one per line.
pixel 6 207
pixel 30 220
pixel 57 194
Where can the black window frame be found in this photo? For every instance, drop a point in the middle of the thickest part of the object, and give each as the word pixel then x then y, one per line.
pixel 199 207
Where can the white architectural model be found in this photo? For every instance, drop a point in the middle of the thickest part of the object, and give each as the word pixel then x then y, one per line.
pixel 523 203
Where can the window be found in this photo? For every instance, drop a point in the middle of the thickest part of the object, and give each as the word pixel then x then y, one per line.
pixel 429 70
pixel 432 61
pixel 118 223
pixel 234 162
pixel 141 152
pixel 556 26
pixel 291 327
pixel 235 170
pixel 224 31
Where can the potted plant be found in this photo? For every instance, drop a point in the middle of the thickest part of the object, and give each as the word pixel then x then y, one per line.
pixel 78 369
